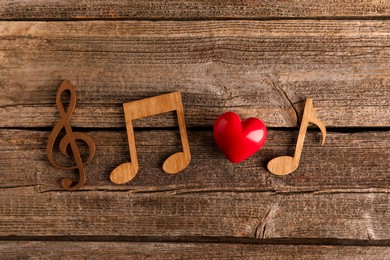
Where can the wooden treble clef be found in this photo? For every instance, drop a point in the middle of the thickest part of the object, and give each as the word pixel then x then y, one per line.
pixel 69 139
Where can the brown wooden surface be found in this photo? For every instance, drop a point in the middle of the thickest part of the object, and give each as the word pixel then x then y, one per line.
pixel 257 58
pixel 347 161
pixel 189 9
pixel 50 250
pixel 256 68
pixel 195 214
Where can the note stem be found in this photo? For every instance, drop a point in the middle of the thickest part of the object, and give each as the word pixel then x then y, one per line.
pixel 183 130
pixel 132 145
pixel 303 129
pixel 180 160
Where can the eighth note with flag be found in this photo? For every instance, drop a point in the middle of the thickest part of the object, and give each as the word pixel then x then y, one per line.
pixel 284 165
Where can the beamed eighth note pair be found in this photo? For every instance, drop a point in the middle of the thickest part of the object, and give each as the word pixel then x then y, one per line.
pixel 237 139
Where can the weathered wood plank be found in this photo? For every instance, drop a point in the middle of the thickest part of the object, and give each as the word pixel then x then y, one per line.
pixel 347 161
pixel 257 215
pixel 104 250
pixel 184 9
pixel 256 68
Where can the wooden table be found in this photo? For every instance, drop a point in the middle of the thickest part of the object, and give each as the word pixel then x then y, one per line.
pixel 257 58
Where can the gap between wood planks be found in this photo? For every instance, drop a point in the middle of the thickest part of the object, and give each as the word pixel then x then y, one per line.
pixel 172 250
pixel 275 18
pixel 39 188
pixel 198 239
pixel 206 128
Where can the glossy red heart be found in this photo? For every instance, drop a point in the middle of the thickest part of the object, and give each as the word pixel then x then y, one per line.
pixel 239 140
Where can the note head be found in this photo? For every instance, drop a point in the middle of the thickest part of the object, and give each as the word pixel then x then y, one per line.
pixel 123 173
pixel 176 163
pixel 282 165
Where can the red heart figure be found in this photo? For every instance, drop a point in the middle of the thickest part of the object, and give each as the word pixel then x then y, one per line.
pixel 239 140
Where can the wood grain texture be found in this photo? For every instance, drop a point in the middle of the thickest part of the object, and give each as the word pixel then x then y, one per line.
pixel 257 58
pixel 257 215
pixel 264 69
pixel 176 162
pixel 104 250
pixel 182 9
pixel 347 161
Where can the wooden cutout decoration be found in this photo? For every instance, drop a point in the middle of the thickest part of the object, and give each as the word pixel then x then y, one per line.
pixel 284 165
pixel 148 107
pixel 69 139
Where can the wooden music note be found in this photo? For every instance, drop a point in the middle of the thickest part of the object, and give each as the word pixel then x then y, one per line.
pixel 284 165
pixel 148 107
pixel 69 139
